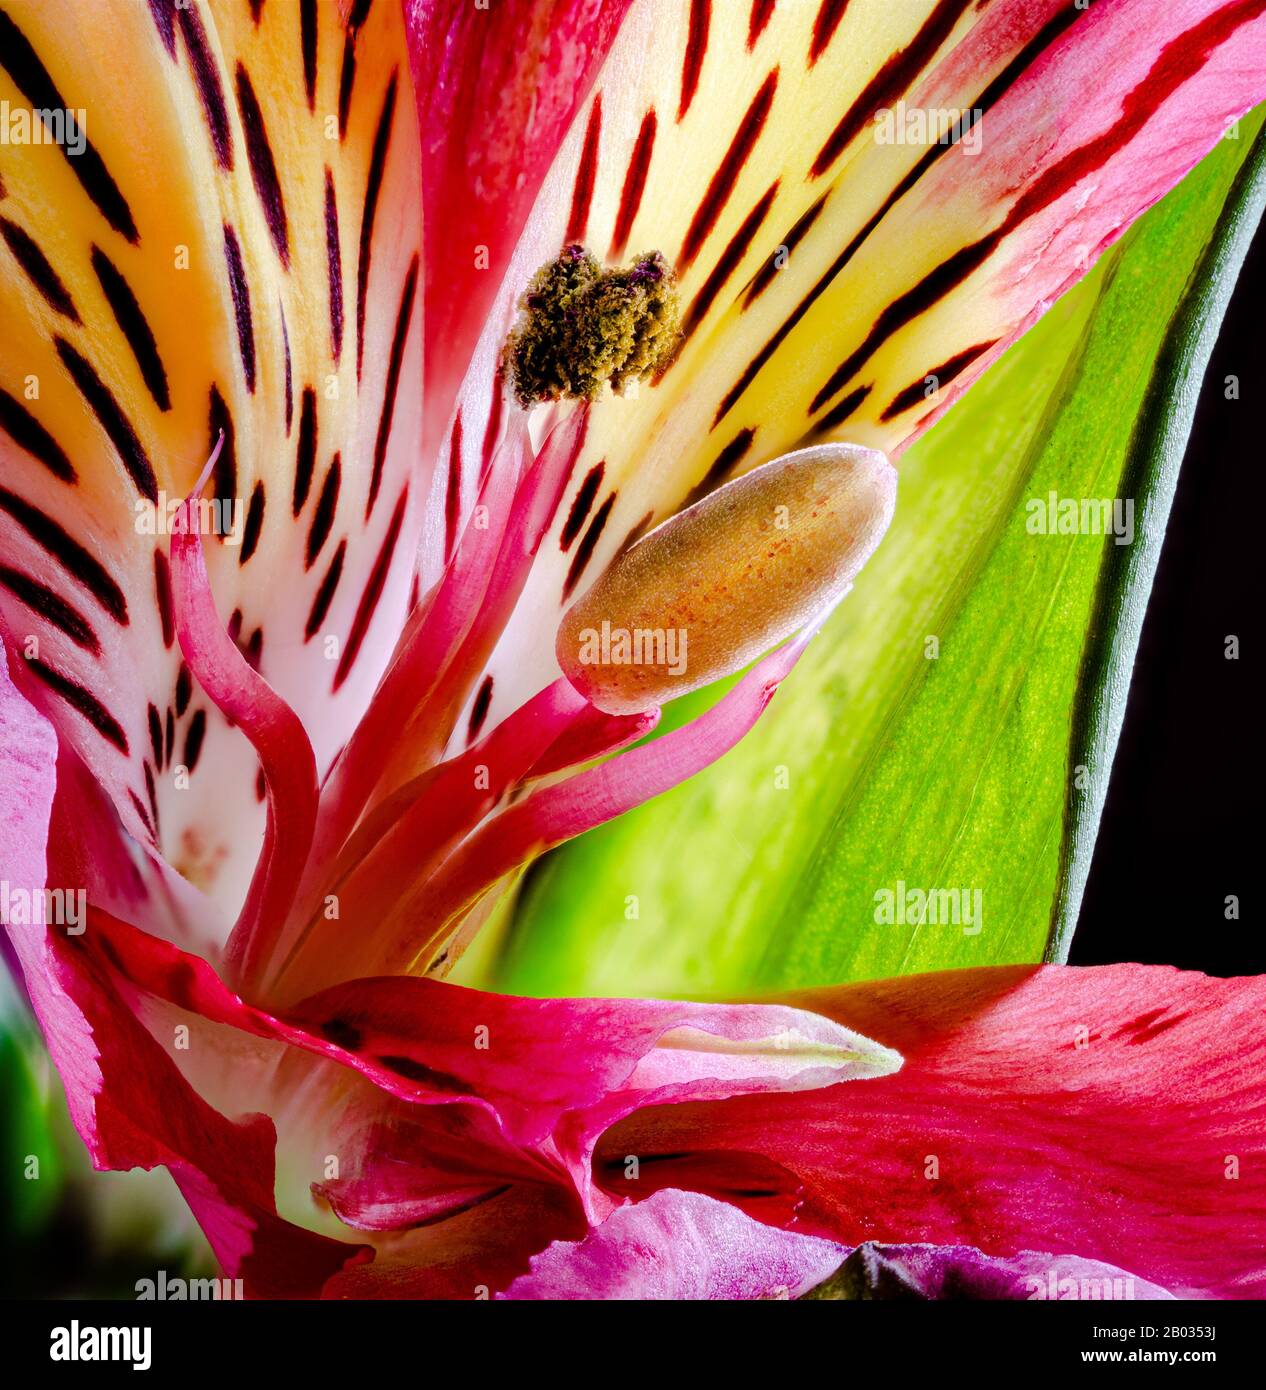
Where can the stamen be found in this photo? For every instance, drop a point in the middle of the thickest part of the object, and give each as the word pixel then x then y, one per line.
pixel 581 326
pixel 709 590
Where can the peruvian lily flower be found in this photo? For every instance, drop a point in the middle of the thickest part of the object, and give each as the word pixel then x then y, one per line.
pixel 292 761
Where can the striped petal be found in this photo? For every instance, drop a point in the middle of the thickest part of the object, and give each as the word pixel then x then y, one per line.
pixel 843 278
pixel 236 249
pixel 127 1097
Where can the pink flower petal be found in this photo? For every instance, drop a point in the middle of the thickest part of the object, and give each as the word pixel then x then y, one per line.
pixel 679 1245
pixel 413 1166
pixel 28 772
pixel 1119 1112
pixel 551 1074
pixel 469 1256
pixel 535 1063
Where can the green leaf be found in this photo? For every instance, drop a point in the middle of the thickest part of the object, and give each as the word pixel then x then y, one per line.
pixel 31 1180
pixel 954 725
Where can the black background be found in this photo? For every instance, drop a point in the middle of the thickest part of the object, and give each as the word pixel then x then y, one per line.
pixel 1181 827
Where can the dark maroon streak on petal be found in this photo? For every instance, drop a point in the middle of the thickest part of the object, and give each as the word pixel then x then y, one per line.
pixel 54 609
pixel 162 593
pixel 584 551
pixel 305 453
pixel 764 277
pixel 373 187
pixel 254 524
pixel 117 426
pixel 581 504
pixel 323 517
pixel 206 76
pixel 582 193
pixel 841 412
pixel 725 463
pixel 492 434
pixel 762 11
pixel 453 489
pixel 917 391
pixel 241 291
pixel 290 390
pixel 895 77
pixel 134 326
pixel 184 689
pixel 824 27
pixel 155 732
pixel 1148 1025
pixel 194 735
pixel 82 700
pixel 325 594
pixel 165 23
pixel 32 79
pixel 27 433
pixel 220 421
pixel 404 320
pixel 152 794
pixel 696 50
pixel 334 257
pixel 150 822
pixel 634 184
pixel 346 82
pixel 263 167
pixel 722 185
pixel 68 553
pixel 479 710
pixel 728 261
pixel 142 814
pixel 308 43
pixel 38 270
pixel 371 595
